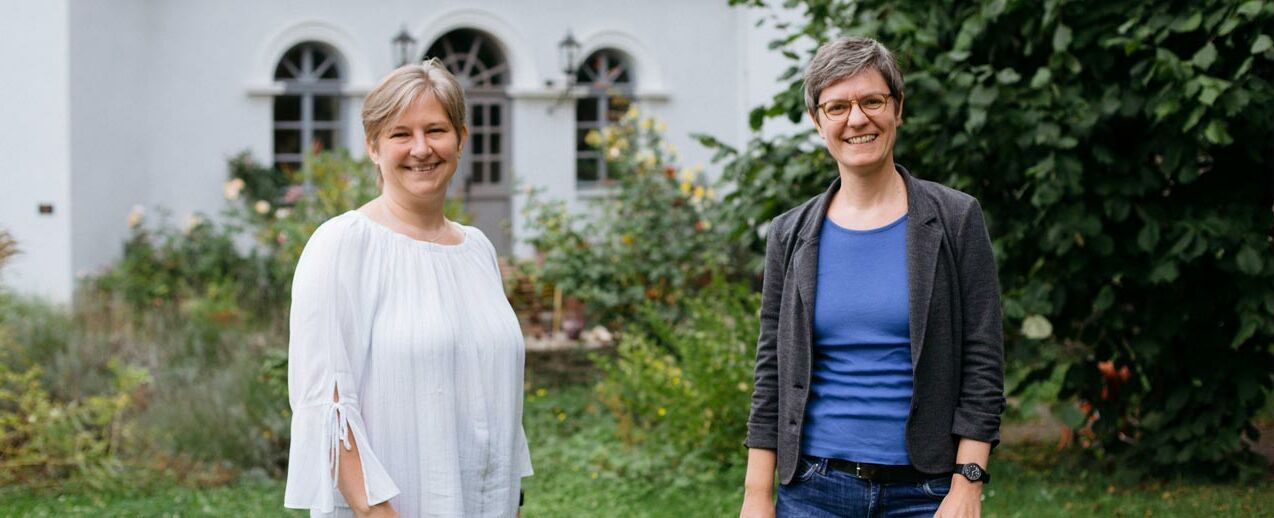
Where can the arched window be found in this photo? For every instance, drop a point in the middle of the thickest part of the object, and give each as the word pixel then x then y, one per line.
pixel 477 60
pixel 308 115
pixel 607 75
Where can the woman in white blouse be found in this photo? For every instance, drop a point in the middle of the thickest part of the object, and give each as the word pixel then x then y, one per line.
pixel 405 358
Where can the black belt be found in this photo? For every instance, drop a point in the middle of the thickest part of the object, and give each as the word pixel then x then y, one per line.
pixel 879 472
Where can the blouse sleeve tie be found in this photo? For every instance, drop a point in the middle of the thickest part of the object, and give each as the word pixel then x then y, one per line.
pixel 337 424
pixel 318 433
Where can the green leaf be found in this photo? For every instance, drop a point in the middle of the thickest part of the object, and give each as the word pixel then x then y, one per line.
pixel 1008 76
pixel 1227 27
pixel 1105 298
pixel 1216 133
pixel 1250 9
pixel 1249 261
pixel 1062 38
pixel 1193 118
pixel 977 117
pixel 1262 44
pixel 1148 237
pixel 983 95
pixel 1209 95
pixel 1246 330
pixel 1041 78
pixel 1187 24
pixel 1164 272
pixel 756 118
pixel 1205 56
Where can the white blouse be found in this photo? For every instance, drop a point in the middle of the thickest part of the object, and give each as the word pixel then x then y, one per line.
pixel 426 354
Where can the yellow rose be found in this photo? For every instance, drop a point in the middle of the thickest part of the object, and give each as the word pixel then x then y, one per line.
pixel 135 216
pixel 233 188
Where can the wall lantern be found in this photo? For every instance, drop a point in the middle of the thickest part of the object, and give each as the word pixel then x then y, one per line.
pixel 404 46
pixel 568 52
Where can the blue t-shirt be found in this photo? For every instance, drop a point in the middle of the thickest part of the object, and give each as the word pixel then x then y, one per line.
pixel 861 385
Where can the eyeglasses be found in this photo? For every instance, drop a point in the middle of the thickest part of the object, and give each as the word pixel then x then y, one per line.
pixel 838 109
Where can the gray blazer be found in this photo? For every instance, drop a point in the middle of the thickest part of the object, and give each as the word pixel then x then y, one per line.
pixel 957 343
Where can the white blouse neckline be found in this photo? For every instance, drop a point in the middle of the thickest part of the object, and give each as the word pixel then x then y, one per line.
pixel 377 226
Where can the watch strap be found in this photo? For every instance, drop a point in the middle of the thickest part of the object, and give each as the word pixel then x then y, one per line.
pixel 973 472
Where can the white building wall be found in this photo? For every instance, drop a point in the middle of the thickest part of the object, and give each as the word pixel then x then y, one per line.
pixel 110 115
pixel 162 93
pixel 35 144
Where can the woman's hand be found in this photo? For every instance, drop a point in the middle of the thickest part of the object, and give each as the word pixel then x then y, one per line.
pixel 757 506
pixel 758 484
pixel 963 501
pixel 381 510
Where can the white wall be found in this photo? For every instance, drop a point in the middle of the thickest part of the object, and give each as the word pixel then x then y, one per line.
pixel 160 94
pixel 110 115
pixel 35 144
pixel 763 67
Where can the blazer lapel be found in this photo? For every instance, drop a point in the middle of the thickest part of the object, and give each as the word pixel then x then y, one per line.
pixel 924 236
pixel 805 256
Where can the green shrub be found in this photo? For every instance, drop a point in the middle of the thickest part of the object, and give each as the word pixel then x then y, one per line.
pixel 652 238
pixel 682 391
pixel 46 440
pixel 1115 149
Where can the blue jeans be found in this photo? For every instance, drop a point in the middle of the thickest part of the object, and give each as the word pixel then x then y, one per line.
pixel 819 492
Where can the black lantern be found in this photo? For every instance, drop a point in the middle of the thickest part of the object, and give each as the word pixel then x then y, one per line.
pixel 404 46
pixel 567 51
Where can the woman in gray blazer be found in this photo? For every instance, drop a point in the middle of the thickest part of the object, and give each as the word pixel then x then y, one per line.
pixel 879 370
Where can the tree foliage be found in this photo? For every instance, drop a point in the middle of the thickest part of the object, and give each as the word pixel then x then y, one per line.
pixel 1122 153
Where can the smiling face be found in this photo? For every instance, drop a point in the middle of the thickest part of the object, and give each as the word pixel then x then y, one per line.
pixel 861 144
pixel 418 152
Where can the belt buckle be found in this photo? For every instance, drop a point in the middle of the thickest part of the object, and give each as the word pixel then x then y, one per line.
pixel 858 470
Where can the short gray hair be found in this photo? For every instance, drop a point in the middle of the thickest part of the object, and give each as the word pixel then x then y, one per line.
pixel 845 57
pixel 403 86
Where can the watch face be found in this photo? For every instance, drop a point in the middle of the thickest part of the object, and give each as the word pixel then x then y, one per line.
pixel 972 472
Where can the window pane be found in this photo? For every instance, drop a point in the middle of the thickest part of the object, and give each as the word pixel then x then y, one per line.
pixel 586 169
pixel 323 141
pixel 478 118
pixel 287 108
pixel 586 109
pixel 288 167
pixel 327 108
pixel 333 72
pixel 287 141
pixel 617 107
pixel 581 135
pixel 477 171
pixel 495 115
pixel 478 141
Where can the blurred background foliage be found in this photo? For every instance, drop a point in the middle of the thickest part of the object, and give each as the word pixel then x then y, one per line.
pixel 1126 179
pixel 649 239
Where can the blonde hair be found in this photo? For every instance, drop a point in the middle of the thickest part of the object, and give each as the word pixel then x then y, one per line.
pixel 406 84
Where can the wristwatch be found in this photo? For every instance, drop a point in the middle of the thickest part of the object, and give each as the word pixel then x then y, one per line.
pixel 973 472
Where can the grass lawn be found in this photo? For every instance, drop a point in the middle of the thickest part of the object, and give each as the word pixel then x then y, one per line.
pixel 583 470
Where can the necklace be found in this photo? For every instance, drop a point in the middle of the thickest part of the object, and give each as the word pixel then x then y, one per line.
pixel 412 231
